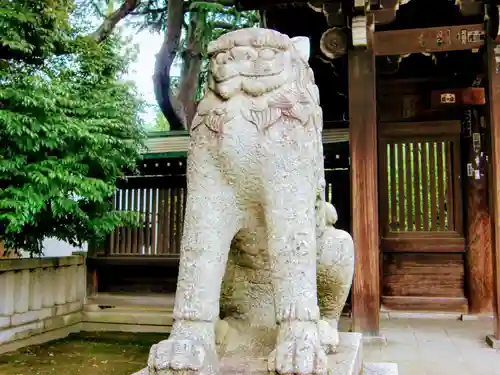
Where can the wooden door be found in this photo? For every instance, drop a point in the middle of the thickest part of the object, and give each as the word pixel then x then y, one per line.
pixel 421 219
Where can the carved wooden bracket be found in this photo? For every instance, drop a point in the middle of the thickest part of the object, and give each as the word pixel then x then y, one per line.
pixel 333 43
pixel 492 21
pixel 469 7
pixel 316 5
pixel 332 12
pixel 386 9
pixel 361 5
pixel 359 31
pixel 386 12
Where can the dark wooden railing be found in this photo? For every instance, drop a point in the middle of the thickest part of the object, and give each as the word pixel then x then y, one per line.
pixel 160 202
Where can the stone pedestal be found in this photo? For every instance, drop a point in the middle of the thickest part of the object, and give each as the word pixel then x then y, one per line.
pixel 380 368
pixel 347 360
pixel 493 342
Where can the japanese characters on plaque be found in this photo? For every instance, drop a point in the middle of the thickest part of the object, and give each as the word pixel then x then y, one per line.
pixel 447 37
pixel 448 98
pixel 443 37
pixel 470 170
pixel 470 36
pixel 467 123
pixel 476 142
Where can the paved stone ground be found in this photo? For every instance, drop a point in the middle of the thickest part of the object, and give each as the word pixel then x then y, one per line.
pixel 436 347
pixel 418 346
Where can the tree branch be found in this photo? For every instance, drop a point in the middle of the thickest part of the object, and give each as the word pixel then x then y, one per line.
pixel 193 61
pixel 226 3
pixel 149 11
pixel 97 9
pixel 223 25
pixel 112 20
pixel 164 61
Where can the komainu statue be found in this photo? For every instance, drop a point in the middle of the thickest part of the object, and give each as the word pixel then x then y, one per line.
pixel 263 272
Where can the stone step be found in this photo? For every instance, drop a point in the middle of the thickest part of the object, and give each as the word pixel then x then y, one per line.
pixel 104 308
pixel 126 318
pixel 129 316
pixel 380 368
pixel 153 300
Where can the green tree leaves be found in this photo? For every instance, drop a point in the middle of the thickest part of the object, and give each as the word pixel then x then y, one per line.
pixel 69 127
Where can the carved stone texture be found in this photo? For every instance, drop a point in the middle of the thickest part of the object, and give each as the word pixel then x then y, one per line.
pixel 256 220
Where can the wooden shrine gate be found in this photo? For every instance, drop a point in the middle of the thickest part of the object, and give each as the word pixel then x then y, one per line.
pixel 421 220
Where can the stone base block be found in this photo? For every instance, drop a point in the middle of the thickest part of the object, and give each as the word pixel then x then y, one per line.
pixel 380 368
pixel 493 342
pixel 476 317
pixel 347 360
pixel 40 338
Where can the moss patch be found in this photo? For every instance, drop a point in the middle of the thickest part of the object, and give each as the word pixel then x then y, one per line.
pixel 85 354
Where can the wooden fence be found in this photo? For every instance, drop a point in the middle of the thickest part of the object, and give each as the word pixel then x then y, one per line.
pixel 161 202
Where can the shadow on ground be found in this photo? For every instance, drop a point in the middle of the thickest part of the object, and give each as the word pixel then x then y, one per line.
pixel 85 354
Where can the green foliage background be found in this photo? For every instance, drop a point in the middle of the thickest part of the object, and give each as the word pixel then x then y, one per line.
pixel 69 127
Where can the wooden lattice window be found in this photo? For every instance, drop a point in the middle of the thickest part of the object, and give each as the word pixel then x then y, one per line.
pixel 419 180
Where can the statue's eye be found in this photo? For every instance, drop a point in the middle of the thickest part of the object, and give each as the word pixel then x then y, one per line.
pixel 220 58
pixel 224 57
pixel 267 54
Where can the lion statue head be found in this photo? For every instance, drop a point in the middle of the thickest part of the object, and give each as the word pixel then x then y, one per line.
pixel 269 70
pixel 254 61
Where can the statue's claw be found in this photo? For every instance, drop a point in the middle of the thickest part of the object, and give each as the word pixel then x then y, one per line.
pixel 184 353
pixel 180 357
pixel 301 348
pixel 221 329
pixel 328 336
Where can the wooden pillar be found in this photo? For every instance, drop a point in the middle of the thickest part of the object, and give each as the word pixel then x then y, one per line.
pixel 364 194
pixel 479 250
pixel 494 177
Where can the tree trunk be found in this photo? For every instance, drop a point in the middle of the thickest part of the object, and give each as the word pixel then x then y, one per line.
pixel 109 23
pixel 193 61
pixel 164 61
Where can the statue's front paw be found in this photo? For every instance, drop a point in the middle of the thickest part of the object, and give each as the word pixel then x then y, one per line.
pixel 299 350
pixel 221 330
pixel 181 357
pixel 328 336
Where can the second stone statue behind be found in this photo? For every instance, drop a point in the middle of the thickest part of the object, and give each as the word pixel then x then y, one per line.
pixel 263 274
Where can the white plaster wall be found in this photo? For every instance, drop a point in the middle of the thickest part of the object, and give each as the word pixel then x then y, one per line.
pixel 40 300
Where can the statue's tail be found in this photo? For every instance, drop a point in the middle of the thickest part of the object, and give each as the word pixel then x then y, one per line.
pixel 331 214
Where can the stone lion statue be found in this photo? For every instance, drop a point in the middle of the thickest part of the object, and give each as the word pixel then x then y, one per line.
pixel 259 248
